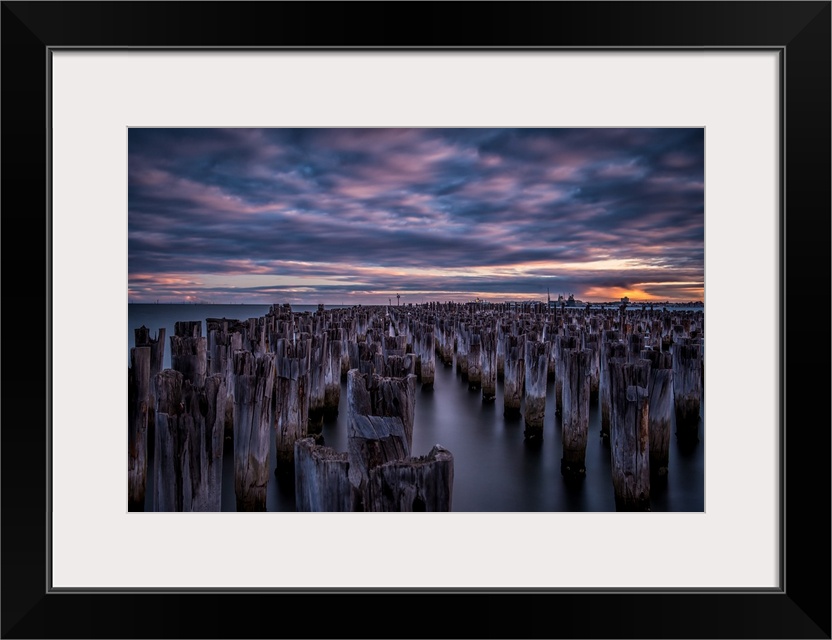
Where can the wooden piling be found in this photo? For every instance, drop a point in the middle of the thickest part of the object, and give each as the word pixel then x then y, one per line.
pixel 488 360
pixel 575 413
pixel 189 443
pixel 202 454
pixel 537 365
pixel 292 362
pixel 376 427
pixel 635 345
pixel 592 341
pixel 630 434
pixel 142 338
pixel 562 344
pixel 687 389
pixel 660 390
pixel 610 348
pixel 503 330
pixel 318 363
pixel 413 484
pixel 425 343
pixel 138 403
pixel 189 351
pixel 254 389
pixel 332 374
pixel 167 462
pixel 157 350
pixel 225 336
pixel 398 366
pixel 462 339
pixel 445 340
pixel 514 375
pixel 220 332
pixel 474 359
pixel 157 360
pixel 321 478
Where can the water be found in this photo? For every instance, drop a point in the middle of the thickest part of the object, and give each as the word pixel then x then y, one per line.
pixel 495 470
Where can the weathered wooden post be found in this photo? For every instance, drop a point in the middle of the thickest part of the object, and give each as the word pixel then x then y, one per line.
pixel 157 350
pixel 167 462
pixel 189 351
pixel 394 346
pixel 687 381
pixel 332 374
pixel 551 336
pixel 439 337
pixel 656 334
pixel 424 337
pixel 354 351
pixel 575 414
pixel 321 478
pixel 592 341
pixel 376 427
pixel 488 365
pixel 448 343
pixel 630 434
pixel 219 339
pixel 514 374
pixel 395 396
pixel 256 336
pixel 562 344
pixel 224 338
pixel 235 344
pixel 413 484
pixel 188 328
pixel 157 359
pixel 189 443
pixel 444 340
pixel 462 338
pixel 370 357
pixel 139 403
pixel 474 359
pixel 660 390
pixel 610 348
pixel 202 456
pixel 318 359
pixel 292 360
pixel 254 388
pixel 537 365
pixel 347 336
pixel 635 345
pixel 503 330
pixel 396 366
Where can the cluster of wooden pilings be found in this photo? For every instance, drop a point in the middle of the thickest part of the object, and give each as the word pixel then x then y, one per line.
pixel 644 366
pixel 281 374
pixel 378 472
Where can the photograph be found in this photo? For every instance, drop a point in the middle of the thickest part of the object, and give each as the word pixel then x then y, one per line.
pixel 450 260
pixel 416 319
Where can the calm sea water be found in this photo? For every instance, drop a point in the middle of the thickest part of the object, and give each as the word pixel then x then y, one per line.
pixel 494 469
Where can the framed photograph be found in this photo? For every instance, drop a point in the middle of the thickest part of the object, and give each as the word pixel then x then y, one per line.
pixel 753 77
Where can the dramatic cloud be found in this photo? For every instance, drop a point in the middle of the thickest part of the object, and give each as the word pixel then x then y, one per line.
pixel 355 216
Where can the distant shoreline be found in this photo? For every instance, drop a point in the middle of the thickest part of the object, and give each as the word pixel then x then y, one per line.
pixel 583 305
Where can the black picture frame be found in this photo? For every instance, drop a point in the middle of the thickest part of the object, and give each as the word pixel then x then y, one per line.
pixel 800 608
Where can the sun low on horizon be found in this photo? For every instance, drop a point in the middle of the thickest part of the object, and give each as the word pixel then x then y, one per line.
pixel 346 216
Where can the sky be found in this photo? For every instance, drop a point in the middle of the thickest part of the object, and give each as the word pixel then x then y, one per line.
pixel 356 216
